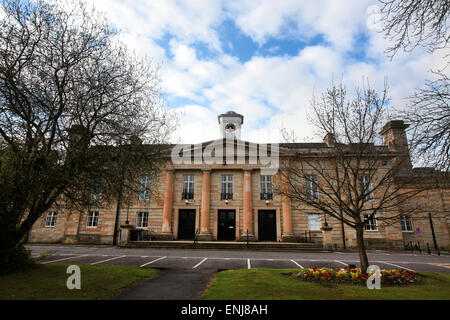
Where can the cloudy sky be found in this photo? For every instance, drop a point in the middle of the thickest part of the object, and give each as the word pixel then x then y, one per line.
pixel 264 59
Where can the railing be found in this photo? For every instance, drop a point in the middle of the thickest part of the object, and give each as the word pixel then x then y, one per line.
pixel 187 196
pixel 266 196
pixel 307 238
pixel 436 248
pixel 226 196
pixel 140 235
pixel 409 246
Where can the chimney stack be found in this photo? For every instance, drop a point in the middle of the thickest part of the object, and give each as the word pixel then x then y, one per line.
pixel 329 139
pixel 394 136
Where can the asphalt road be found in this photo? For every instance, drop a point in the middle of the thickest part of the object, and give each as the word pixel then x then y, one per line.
pixel 213 260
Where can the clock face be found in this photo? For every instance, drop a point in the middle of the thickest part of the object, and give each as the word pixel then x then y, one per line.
pixel 230 127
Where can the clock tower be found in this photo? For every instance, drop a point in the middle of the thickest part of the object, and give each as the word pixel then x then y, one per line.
pixel 230 125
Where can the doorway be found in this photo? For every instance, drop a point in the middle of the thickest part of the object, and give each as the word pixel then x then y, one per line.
pixel 186 224
pixel 267 225
pixel 226 225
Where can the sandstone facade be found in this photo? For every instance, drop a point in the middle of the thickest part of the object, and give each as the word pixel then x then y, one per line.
pixel 283 220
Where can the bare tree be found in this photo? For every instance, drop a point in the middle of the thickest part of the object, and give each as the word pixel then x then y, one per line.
pixel 410 23
pixel 355 179
pixel 429 118
pixel 71 98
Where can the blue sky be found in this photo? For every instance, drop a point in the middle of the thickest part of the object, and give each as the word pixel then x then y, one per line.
pixel 264 59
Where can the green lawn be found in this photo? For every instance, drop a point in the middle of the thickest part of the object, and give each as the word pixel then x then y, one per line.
pixel 48 282
pixel 270 284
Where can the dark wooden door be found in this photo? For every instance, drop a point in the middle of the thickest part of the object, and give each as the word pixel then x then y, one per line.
pixel 267 225
pixel 226 225
pixel 186 224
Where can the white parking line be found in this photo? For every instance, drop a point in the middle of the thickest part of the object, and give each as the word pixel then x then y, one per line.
pixel 199 263
pixel 341 263
pixel 83 255
pixel 98 262
pixel 145 264
pixel 395 265
pixel 297 264
pixel 249 266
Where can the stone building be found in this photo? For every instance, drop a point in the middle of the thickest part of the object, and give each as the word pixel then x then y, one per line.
pixel 224 190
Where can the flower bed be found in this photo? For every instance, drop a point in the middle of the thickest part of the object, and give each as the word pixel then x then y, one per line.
pixel 347 275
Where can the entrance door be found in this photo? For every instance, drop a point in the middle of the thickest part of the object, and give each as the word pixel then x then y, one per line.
pixel 186 224
pixel 267 225
pixel 226 225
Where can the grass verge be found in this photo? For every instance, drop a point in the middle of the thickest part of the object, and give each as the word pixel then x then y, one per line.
pixel 48 282
pixel 273 284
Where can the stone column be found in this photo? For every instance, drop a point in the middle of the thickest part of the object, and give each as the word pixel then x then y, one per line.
pixel 166 231
pixel 248 208
pixel 205 233
pixel 287 234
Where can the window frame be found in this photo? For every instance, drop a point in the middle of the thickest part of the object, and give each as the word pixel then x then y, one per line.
pixel 366 186
pixel 227 187
pixel 98 188
pixel 51 217
pixel 187 192
pixel 140 219
pixel 146 185
pixel 403 222
pixel 95 217
pixel 266 187
pixel 370 224
pixel 317 216
pixel 311 187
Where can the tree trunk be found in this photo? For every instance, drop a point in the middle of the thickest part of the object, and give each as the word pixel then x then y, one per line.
pixel 362 249
pixel 343 233
pixel 13 255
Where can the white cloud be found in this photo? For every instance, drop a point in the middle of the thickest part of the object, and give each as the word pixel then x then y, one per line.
pixel 338 21
pixel 188 20
pixel 270 92
pixel 200 124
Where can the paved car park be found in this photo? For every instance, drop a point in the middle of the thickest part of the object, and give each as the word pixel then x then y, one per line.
pixel 213 260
